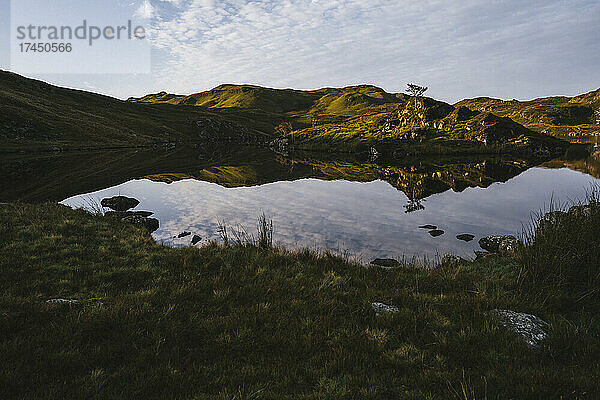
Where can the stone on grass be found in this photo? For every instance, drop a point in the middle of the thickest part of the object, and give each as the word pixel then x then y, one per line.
pixel 62 301
pixel 531 328
pixel 381 308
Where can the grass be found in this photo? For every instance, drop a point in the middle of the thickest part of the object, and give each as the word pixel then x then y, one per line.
pixel 561 259
pixel 247 321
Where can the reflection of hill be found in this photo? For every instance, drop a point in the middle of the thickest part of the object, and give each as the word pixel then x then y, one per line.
pixel 59 176
pixel 590 166
pixel 416 180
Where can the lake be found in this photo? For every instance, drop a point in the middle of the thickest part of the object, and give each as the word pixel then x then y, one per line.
pixel 360 208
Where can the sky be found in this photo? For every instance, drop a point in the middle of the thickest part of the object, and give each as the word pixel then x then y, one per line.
pixel 459 49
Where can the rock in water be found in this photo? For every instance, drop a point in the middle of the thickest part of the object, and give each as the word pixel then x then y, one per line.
pixel 381 308
pixel 428 227
pixel 436 232
pixel 183 234
pixel 465 237
pixel 196 239
pixel 150 224
pixel 120 203
pixel 529 327
pixel 492 243
pixel 385 262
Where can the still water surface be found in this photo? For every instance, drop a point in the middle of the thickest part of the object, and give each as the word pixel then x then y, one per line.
pixel 364 219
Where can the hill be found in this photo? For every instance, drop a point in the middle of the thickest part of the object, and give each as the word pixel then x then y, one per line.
pixel 300 108
pixel 569 117
pixel 36 115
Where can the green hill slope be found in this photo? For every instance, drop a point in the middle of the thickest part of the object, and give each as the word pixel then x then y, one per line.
pixel 36 115
pixel 299 107
pixel 572 117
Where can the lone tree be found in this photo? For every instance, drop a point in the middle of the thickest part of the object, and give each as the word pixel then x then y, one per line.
pixel 416 91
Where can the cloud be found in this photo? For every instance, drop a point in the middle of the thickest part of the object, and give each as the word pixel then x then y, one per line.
pixel 510 49
pixel 145 11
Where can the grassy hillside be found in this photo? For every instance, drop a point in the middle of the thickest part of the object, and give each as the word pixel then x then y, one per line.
pixel 252 322
pixel 426 126
pixel 299 108
pixel 35 115
pixel 570 117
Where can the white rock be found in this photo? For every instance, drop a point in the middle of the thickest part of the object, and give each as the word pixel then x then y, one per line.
pixel 61 301
pixel 381 308
pixel 529 327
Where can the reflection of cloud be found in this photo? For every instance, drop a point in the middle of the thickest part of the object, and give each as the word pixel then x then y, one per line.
pixel 366 218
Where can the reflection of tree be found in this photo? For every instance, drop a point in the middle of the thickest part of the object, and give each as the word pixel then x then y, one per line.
pixel 413 205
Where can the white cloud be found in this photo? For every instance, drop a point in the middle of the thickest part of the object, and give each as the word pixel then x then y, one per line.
pixel 459 48
pixel 145 11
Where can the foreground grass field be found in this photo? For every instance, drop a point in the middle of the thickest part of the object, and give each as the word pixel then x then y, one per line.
pixel 245 322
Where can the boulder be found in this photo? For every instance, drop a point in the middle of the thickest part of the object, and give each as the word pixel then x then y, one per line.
pixel 120 203
pixel 183 234
pixel 385 263
pixel 492 243
pixel 436 232
pixel 531 328
pixel 150 224
pixel 196 239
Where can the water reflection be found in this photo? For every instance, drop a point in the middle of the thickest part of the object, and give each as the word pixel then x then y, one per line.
pixel 365 218
pixel 371 209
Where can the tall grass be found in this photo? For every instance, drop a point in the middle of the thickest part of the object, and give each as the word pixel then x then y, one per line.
pixel 240 237
pixel 560 262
